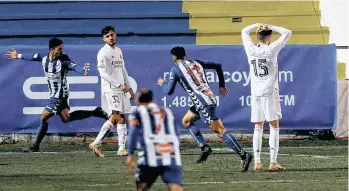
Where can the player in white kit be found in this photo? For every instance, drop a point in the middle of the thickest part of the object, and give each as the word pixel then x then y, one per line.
pixel 115 85
pixel 265 104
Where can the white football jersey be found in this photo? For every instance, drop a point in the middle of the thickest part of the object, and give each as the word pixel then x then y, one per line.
pixel 111 67
pixel 262 60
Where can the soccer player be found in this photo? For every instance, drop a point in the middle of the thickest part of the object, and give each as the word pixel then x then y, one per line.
pixel 265 103
pixel 154 134
pixel 56 66
pixel 191 76
pixel 115 85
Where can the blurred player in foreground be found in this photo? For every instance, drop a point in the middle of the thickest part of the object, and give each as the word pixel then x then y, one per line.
pixel 115 85
pixel 265 102
pixel 154 134
pixel 56 66
pixel 191 76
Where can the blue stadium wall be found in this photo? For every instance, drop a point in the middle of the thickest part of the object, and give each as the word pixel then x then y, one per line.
pixel 80 23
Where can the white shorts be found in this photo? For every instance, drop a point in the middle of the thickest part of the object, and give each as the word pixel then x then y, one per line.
pixel 118 101
pixel 266 108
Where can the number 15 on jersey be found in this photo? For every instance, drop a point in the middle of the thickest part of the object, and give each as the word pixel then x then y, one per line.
pixel 260 67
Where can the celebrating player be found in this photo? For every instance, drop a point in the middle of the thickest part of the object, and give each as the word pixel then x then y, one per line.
pixel 191 76
pixel 56 66
pixel 153 132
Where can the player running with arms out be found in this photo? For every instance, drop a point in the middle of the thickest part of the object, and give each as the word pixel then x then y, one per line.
pixel 190 75
pixel 154 134
pixel 56 66
pixel 265 102
pixel 115 85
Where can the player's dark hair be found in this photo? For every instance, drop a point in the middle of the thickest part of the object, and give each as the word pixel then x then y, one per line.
pixel 179 52
pixel 145 96
pixel 54 42
pixel 263 34
pixel 106 30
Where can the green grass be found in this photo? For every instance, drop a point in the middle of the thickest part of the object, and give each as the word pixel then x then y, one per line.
pixel 311 165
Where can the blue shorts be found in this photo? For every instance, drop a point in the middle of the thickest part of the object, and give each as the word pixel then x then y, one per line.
pixel 148 175
pixel 56 105
pixel 208 114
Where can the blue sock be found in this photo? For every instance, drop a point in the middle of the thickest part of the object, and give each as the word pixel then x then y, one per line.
pixel 233 144
pixel 41 133
pixel 196 134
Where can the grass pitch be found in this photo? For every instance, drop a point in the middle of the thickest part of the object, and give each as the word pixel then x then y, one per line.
pixel 311 165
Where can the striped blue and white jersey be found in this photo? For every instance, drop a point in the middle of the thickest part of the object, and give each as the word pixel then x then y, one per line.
pixel 55 72
pixel 190 74
pixel 153 133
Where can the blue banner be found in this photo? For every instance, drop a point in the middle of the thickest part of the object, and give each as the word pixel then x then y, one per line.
pixel 307 76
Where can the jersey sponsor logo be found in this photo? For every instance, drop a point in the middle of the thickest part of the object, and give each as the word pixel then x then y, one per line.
pixel 117 63
pixel 164 148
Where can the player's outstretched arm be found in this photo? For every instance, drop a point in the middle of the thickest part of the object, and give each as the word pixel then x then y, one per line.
pixel 78 69
pixel 169 87
pixel 73 66
pixel 13 54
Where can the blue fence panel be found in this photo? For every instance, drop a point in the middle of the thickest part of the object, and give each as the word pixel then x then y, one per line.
pixel 307 76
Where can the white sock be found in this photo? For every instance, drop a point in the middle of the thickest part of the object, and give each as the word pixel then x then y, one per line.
pixel 122 135
pixel 106 127
pixel 257 144
pixel 273 143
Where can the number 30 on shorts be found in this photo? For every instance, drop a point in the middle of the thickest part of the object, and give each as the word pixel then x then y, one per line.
pixel 116 99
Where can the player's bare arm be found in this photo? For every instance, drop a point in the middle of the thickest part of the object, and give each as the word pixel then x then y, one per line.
pixel 12 54
pixel 132 93
pixel 127 83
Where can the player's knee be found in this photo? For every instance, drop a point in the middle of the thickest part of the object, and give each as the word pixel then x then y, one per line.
pixel 45 116
pixel 65 119
pixel 186 122
pixel 43 119
pixel 121 120
pixel 221 131
pixel 259 125
pixel 274 124
pixel 114 118
pixel 175 187
pixel 218 128
pixel 142 187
